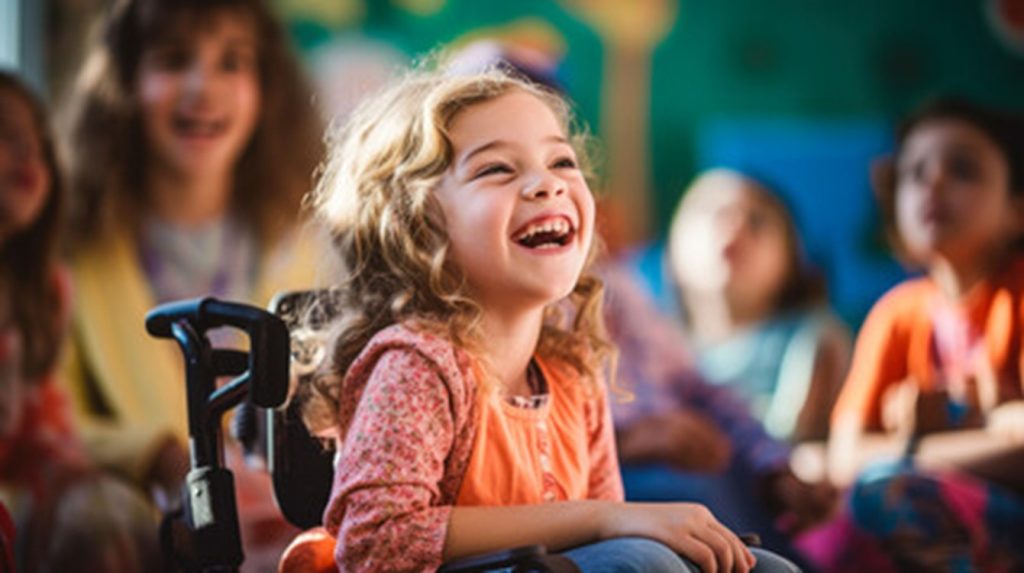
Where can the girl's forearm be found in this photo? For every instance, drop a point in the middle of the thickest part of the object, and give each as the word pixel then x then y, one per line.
pixel 557 526
pixel 974 451
pixel 978 452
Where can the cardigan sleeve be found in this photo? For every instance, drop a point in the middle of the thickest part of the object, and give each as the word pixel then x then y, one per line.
pixel 387 507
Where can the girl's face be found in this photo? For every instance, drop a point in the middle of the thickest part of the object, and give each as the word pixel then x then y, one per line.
pixel 24 177
pixel 519 214
pixel 199 95
pixel 731 239
pixel 953 193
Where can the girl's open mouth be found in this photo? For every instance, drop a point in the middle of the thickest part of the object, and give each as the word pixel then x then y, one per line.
pixel 546 233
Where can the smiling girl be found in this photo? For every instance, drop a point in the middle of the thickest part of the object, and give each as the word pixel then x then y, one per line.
pixel 466 388
pixel 193 140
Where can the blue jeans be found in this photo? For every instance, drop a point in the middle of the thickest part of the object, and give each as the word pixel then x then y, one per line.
pixel 636 555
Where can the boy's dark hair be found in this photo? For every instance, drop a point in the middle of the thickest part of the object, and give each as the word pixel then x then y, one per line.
pixel 28 259
pixel 1003 128
pixel 107 146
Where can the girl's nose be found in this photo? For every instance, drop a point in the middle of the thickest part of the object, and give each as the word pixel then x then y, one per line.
pixel 935 175
pixel 198 78
pixel 543 186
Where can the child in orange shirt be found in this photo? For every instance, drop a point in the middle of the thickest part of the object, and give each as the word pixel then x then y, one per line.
pixel 465 388
pixel 937 371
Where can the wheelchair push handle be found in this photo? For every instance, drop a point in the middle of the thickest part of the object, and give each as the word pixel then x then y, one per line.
pixel 268 360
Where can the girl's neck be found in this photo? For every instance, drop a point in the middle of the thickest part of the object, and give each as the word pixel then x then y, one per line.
pixel 956 280
pixel 713 317
pixel 189 201
pixel 509 341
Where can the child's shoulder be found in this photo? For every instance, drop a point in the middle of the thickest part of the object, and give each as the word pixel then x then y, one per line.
pixel 411 345
pixel 906 303
pixel 907 294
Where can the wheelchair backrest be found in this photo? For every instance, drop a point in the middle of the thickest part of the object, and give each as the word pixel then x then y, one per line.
pixel 301 468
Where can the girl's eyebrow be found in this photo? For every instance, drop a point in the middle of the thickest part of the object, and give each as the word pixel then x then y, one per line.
pixel 241 40
pixel 959 147
pixel 499 143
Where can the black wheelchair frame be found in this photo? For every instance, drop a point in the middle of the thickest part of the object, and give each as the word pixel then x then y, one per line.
pixel 300 468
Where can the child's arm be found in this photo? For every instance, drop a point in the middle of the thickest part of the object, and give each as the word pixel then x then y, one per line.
pixel 689 529
pixel 880 358
pixel 393 494
pixel 831 361
pixel 981 452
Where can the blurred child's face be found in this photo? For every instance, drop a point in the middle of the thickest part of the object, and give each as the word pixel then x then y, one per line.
pixel 953 193
pixel 731 240
pixel 199 94
pixel 519 214
pixel 24 177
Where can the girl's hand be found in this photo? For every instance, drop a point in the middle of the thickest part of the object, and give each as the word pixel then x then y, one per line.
pixel 688 528
pixel 907 410
pixel 1007 421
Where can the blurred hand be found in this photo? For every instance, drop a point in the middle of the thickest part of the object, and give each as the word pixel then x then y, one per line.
pixel 800 505
pixel 1007 421
pixel 687 528
pixel 907 410
pixel 684 439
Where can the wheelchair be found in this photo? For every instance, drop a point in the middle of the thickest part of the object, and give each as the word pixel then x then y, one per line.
pixel 301 469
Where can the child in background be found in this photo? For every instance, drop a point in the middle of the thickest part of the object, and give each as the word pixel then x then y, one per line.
pixel 757 317
pixel 465 388
pixel 937 373
pixel 194 139
pixel 683 438
pixel 64 512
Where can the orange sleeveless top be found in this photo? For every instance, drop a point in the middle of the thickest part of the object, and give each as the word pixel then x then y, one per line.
pixel 529 455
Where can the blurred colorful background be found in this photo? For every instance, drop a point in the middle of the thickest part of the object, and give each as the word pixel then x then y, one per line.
pixel 801 92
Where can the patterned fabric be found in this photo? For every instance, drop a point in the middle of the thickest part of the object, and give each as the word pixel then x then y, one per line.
pixel 43 444
pixel 940 522
pixel 654 365
pixel 410 417
pixel 38 445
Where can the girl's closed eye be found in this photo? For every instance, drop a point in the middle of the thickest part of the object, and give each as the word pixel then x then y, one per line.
pixel 566 162
pixel 171 57
pixel 238 60
pixel 492 169
pixel 911 170
pixel 963 167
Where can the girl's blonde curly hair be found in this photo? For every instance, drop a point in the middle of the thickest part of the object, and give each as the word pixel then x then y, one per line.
pixel 375 194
